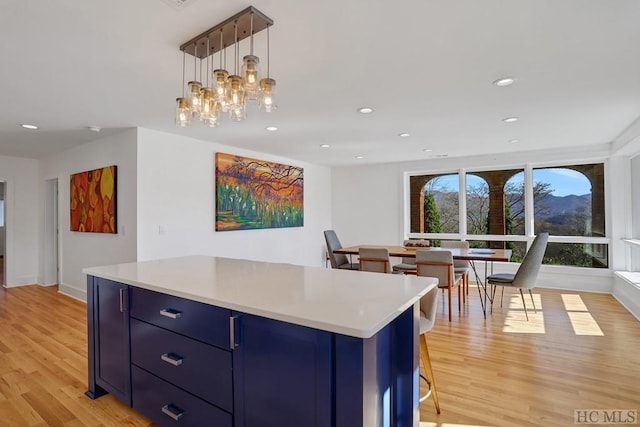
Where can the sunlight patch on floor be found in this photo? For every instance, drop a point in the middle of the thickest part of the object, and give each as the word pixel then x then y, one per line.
pixel 582 321
pixel 516 319
pixel 573 302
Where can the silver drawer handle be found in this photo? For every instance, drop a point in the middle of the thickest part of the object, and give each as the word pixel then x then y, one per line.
pixel 172 359
pixel 171 313
pixel 173 412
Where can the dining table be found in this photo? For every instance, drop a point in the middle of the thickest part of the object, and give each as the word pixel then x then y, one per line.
pixel 473 255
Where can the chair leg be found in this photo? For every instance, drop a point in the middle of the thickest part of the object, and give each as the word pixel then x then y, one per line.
pixel 464 299
pixel 524 305
pixel 501 297
pixel 426 362
pixel 466 281
pixel 449 292
pixel 533 302
pixel 460 295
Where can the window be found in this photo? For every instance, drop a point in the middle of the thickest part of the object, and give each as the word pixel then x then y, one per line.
pixel 1 213
pixel 436 208
pixel 503 211
pixel 570 202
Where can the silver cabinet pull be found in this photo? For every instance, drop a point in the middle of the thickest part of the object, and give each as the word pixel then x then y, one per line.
pixel 172 359
pixel 233 341
pixel 171 313
pixel 124 302
pixel 173 412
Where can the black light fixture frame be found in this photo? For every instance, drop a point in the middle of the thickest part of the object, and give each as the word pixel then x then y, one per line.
pixel 243 19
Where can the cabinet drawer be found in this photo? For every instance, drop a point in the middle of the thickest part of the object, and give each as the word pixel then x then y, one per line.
pixel 198 368
pixel 194 319
pixel 168 405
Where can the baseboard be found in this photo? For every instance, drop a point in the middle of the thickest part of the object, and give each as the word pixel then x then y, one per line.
pixel 75 293
pixel 564 278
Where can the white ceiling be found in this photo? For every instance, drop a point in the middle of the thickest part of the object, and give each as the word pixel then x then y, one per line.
pixel 425 66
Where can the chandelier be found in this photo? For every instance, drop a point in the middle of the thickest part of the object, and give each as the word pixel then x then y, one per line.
pixel 218 91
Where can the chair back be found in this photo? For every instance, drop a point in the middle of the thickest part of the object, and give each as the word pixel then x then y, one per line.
pixel 530 267
pixel 374 259
pixel 459 244
pixel 428 310
pixel 333 243
pixel 435 263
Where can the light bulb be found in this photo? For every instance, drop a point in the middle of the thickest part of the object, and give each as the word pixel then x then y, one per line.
pixel 194 96
pixel 183 112
pixel 251 73
pixel 266 99
pixel 207 99
pixel 235 93
pixel 220 87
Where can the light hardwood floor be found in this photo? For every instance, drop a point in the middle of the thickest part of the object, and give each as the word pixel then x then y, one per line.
pixel 500 372
pixel 580 351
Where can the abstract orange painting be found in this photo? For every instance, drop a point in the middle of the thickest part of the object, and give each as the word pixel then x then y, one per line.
pixel 93 200
pixel 252 193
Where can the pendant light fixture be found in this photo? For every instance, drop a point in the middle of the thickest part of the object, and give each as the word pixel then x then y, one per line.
pixel 267 101
pixel 250 71
pixel 224 92
pixel 235 85
pixel 183 109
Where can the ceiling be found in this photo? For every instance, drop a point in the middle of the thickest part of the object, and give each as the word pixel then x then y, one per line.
pixel 426 67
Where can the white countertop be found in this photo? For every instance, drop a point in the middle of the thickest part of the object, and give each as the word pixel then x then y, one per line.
pixel 353 303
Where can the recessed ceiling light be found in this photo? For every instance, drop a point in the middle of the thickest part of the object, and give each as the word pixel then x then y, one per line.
pixel 94 128
pixel 404 134
pixel 325 146
pixel 365 110
pixel 29 126
pixel 359 157
pixel 510 119
pixel 513 141
pixel 442 155
pixel 427 150
pixel 505 81
pixel 271 128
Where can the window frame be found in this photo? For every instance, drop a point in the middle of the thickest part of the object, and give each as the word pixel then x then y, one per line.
pixel 529 214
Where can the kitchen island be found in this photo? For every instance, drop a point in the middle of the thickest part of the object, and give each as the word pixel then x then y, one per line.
pixel 203 340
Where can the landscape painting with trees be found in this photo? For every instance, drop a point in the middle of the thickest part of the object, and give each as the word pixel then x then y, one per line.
pixel 252 194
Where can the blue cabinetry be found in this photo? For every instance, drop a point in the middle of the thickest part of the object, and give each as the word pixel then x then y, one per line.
pixel 183 362
pixel 283 374
pixel 108 339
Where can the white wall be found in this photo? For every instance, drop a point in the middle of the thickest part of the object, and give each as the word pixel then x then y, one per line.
pixel 21 219
pixel 176 194
pixel 78 250
pixel 368 205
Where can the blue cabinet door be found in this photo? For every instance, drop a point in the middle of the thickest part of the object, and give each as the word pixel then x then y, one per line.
pixel 109 344
pixel 282 374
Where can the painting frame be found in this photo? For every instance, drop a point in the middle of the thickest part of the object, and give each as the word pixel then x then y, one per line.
pixel 257 194
pixel 93 201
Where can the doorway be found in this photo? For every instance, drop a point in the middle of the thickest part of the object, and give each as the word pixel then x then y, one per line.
pixel 50 256
pixel 3 233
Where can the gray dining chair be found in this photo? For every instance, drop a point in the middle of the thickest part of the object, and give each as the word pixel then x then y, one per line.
pixel 339 261
pixel 428 310
pixel 526 275
pixel 460 266
pixel 439 264
pixel 407 266
pixel 374 259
